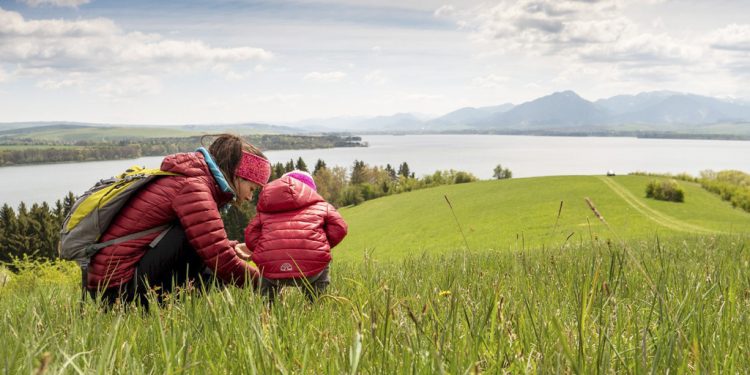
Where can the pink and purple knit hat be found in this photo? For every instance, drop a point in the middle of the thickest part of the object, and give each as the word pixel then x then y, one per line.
pixel 303 177
pixel 254 168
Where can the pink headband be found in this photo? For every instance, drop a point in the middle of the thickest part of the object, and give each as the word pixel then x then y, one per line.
pixel 254 168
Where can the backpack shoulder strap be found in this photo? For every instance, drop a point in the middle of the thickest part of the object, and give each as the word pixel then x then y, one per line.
pixel 92 249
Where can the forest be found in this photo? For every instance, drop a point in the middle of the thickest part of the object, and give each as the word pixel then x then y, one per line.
pixel 18 151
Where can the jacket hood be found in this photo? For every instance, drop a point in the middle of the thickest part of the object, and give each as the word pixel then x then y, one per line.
pixel 189 164
pixel 285 194
pixel 194 164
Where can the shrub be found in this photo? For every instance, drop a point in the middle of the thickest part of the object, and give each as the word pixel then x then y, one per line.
pixel 44 274
pixel 463 177
pixel 501 173
pixel 665 190
pixel 352 195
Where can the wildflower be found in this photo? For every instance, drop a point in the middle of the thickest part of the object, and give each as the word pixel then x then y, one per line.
pixel 444 293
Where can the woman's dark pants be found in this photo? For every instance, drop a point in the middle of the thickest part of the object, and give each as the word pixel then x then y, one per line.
pixel 170 264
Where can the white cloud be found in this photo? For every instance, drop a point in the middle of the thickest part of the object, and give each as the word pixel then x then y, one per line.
pixel 376 77
pixel 231 74
pixel 328 77
pixel 644 48
pixel 577 32
pixel 445 11
pixel 490 81
pixel 733 37
pixel 73 80
pixel 276 98
pixel 92 46
pixel 3 75
pixel 56 3
pixel 130 87
pixel 422 97
pixel 731 46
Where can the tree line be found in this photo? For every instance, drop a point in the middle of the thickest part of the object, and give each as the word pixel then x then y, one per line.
pixel 732 186
pixel 35 231
pixel 30 151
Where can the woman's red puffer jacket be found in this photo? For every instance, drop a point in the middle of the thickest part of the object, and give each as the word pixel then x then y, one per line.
pixel 293 231
pixel 193 198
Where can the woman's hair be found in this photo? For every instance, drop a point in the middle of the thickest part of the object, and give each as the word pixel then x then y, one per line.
pixel 226 150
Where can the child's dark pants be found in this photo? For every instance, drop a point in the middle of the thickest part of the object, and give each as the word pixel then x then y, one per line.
pixel 312 286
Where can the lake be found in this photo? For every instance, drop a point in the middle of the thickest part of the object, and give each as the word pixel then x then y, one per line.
pixel 526 156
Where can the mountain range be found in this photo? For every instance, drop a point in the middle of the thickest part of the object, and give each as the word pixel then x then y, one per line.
pixel 565 112
pixel 561 111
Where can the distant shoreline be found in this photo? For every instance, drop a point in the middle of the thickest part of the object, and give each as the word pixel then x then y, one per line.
pixel 29 151
pixel 535 133
pixel 546 133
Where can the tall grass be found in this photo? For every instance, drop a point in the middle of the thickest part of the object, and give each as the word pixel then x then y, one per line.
pixel 580 308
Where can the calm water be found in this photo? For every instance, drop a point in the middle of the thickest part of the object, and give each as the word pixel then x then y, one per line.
pixel 526 156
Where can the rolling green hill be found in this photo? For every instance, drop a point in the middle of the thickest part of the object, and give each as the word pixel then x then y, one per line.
pixel 523 213
pixel 73 133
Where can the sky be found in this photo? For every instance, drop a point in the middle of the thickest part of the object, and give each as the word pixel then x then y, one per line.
pixel 280 61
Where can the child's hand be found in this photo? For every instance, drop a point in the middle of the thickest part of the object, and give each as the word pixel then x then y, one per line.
pixel 242 251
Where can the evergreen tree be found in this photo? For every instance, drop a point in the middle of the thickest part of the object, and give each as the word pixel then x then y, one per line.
pixel 236 219
pixel 403 170
pixel 320 164
pixel 289 166
pixel 16 239
pixel 358 173
pixel 23 218
pixel 278 171
pixel 43 232
pixel 68 203
pixel 391 172
pixel 53 226
pixel 301 165
pixel 9 225
pixel 8 218
pixel 57 213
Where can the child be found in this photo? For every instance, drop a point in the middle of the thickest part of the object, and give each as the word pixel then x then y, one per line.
pixel 292 235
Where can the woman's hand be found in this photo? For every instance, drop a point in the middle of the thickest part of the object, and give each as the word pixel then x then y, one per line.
pixel 242 251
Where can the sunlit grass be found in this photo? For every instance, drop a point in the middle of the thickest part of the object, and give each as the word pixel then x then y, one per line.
pixel 592 306
pixel 523 213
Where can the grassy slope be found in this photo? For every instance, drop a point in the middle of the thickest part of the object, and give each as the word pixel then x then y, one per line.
pixel 522 213
pixel 680 305
pixel 40 147
pixel 584 309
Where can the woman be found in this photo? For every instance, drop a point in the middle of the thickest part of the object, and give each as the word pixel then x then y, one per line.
pixel 197 244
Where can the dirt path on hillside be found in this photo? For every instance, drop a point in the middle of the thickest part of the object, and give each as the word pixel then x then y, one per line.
pixel 655 216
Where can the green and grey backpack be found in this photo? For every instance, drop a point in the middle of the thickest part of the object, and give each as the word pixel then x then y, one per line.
pixel 92 213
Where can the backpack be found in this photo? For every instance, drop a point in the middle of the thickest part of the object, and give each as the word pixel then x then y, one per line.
pixel 92 213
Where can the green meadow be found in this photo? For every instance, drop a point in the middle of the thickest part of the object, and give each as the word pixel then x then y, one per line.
pixel 38 147
pixel 654 287
pixel 530 213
